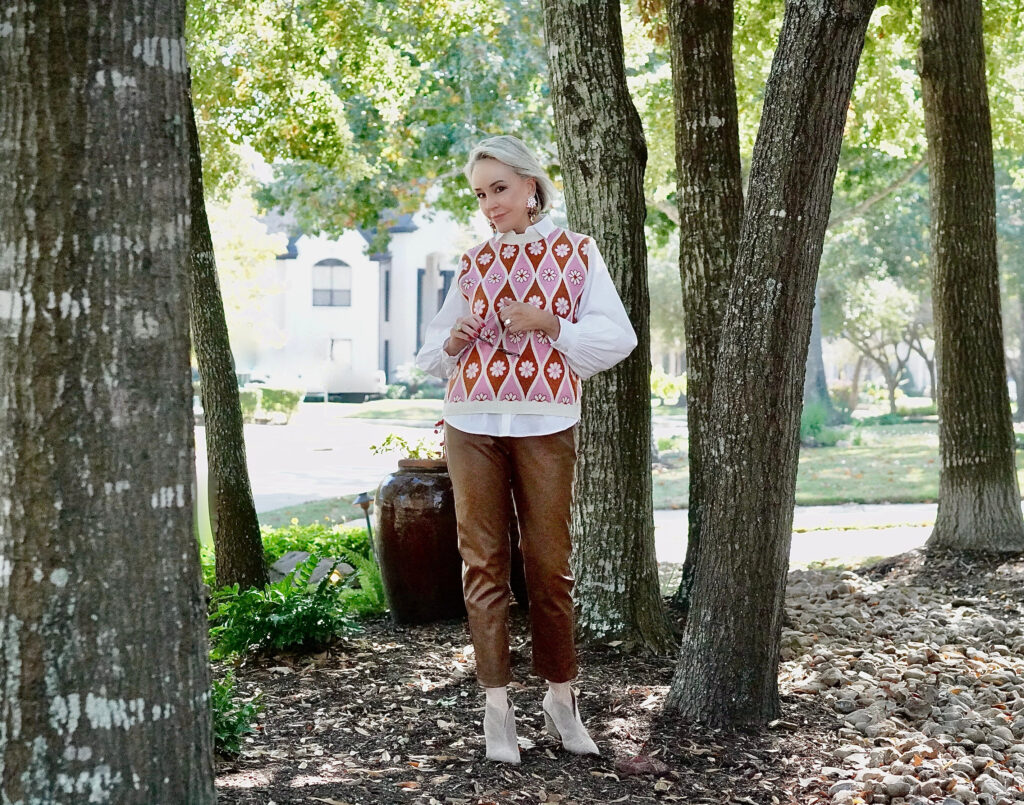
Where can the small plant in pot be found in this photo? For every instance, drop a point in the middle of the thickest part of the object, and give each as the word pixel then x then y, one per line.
pixel 424 453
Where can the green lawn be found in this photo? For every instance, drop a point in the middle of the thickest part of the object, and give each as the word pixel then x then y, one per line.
pixel 403 410
pixel 892 464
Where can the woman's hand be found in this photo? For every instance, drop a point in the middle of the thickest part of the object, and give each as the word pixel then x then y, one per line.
pixel 518 317
pixel 466 329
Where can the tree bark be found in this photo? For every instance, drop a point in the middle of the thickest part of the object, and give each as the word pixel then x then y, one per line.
pixel 104 675
pixel 728 667
pixel 815 382
pixel 603 156
pixel 979 499
pixel 238 546
pixel 709 192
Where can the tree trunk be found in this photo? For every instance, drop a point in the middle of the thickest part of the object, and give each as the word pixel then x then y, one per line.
pixel 603 153
pixel 104 673
pixel 979 501
pixel 728 667
pixel 815 382
pixel 238 547
pixel 855 383
pixel 709 191
pixel 1018 415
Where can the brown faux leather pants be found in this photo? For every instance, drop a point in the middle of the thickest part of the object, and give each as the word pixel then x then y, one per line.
pixel 539 471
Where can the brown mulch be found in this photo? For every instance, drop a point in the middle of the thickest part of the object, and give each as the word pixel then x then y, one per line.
pixel 393 715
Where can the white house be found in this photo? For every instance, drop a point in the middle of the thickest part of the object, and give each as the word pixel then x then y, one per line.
pixel 347 319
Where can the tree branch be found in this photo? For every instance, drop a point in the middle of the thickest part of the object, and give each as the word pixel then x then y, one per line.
pixel 845 215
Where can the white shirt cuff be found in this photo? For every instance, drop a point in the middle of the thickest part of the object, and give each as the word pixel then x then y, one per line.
pixel 568 336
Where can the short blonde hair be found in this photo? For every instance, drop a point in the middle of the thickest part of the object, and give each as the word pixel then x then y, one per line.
pixel 513 152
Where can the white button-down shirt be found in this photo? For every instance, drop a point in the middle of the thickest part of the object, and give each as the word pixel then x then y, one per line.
pixel 601 336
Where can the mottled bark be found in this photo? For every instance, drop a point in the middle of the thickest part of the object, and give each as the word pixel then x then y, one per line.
pixel 104 675
pixel 728 667
pixel 709 192
pixel 603 156
pixel 238 547
pixel 979 501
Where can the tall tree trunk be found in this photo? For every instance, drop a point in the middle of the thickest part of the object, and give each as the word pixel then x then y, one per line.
pixel 104 676
pixel 603 157
pixel 979 500
pixel 815 382
pixel 238 547
pixel 709 192
pixel 728 666
pixel 1018 415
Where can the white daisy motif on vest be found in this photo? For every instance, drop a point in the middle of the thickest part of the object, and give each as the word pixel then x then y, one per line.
pixel 524 370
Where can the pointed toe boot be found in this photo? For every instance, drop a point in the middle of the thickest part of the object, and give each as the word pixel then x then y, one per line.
pixel 565 724
pixel 500 734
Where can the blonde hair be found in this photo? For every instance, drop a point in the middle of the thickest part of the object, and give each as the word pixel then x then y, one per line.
pixel 513 152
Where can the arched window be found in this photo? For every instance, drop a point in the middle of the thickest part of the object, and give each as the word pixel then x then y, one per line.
pixel 332 283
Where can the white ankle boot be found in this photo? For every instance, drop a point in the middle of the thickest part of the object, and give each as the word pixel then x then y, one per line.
pixel 565 723
pixel 500 734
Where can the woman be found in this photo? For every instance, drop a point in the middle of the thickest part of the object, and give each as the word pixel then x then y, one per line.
pixel 532 312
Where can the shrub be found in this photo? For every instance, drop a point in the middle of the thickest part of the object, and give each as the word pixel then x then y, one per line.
pixel 282 615
pixel 670 442
pixel 411 382
pixel 285 401
pixel 670 390
pixel 232 716
pixel 316 538
pixel 250 401
pixel 813 419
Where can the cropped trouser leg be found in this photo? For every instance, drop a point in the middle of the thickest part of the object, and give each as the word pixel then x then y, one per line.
pixel 539 471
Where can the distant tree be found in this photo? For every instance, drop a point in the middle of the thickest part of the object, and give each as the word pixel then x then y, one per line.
pixel 728 664
pixel 601 144
pixel 979 498
pixel 238 546
pixel 104 669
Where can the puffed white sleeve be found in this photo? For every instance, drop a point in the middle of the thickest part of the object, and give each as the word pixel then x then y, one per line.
pixel 432 358
pixel 602 334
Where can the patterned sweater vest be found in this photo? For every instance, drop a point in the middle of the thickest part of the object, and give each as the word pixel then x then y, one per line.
pixel 522 373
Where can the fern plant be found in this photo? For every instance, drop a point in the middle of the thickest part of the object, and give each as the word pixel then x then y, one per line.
pixel 233 717
pixel 282 615
pixel 368 598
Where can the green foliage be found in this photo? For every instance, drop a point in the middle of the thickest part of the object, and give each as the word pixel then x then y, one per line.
pixel 282 615
pixel 285 401
pixel 207 564
pixel 813 419
pixel 393 443
pixel 320 539
pixel 917 411
pixel 666 387
pixel 364 593
pixel 233 716
pixel 671 443
pixel 249 400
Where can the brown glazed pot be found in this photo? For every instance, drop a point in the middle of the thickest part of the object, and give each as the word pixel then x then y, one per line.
pixel 417 544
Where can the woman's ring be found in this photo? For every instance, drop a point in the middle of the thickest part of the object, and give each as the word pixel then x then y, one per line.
pixel 508 322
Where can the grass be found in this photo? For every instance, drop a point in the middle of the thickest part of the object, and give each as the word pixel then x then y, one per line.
pixel 332 510
pixel 892 464
pixel 399 410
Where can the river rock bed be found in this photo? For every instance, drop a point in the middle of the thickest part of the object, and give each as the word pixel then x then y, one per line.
pixel 922 663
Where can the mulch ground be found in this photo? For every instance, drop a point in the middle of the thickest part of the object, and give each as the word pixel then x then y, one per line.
pixel 393 715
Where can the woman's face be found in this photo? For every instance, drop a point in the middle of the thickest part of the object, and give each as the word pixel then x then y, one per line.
pixel 502 194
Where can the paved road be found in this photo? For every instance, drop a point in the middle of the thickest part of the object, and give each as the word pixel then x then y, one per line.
pixel 323 454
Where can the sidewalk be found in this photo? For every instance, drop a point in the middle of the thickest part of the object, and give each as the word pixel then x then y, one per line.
pixel 849 532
